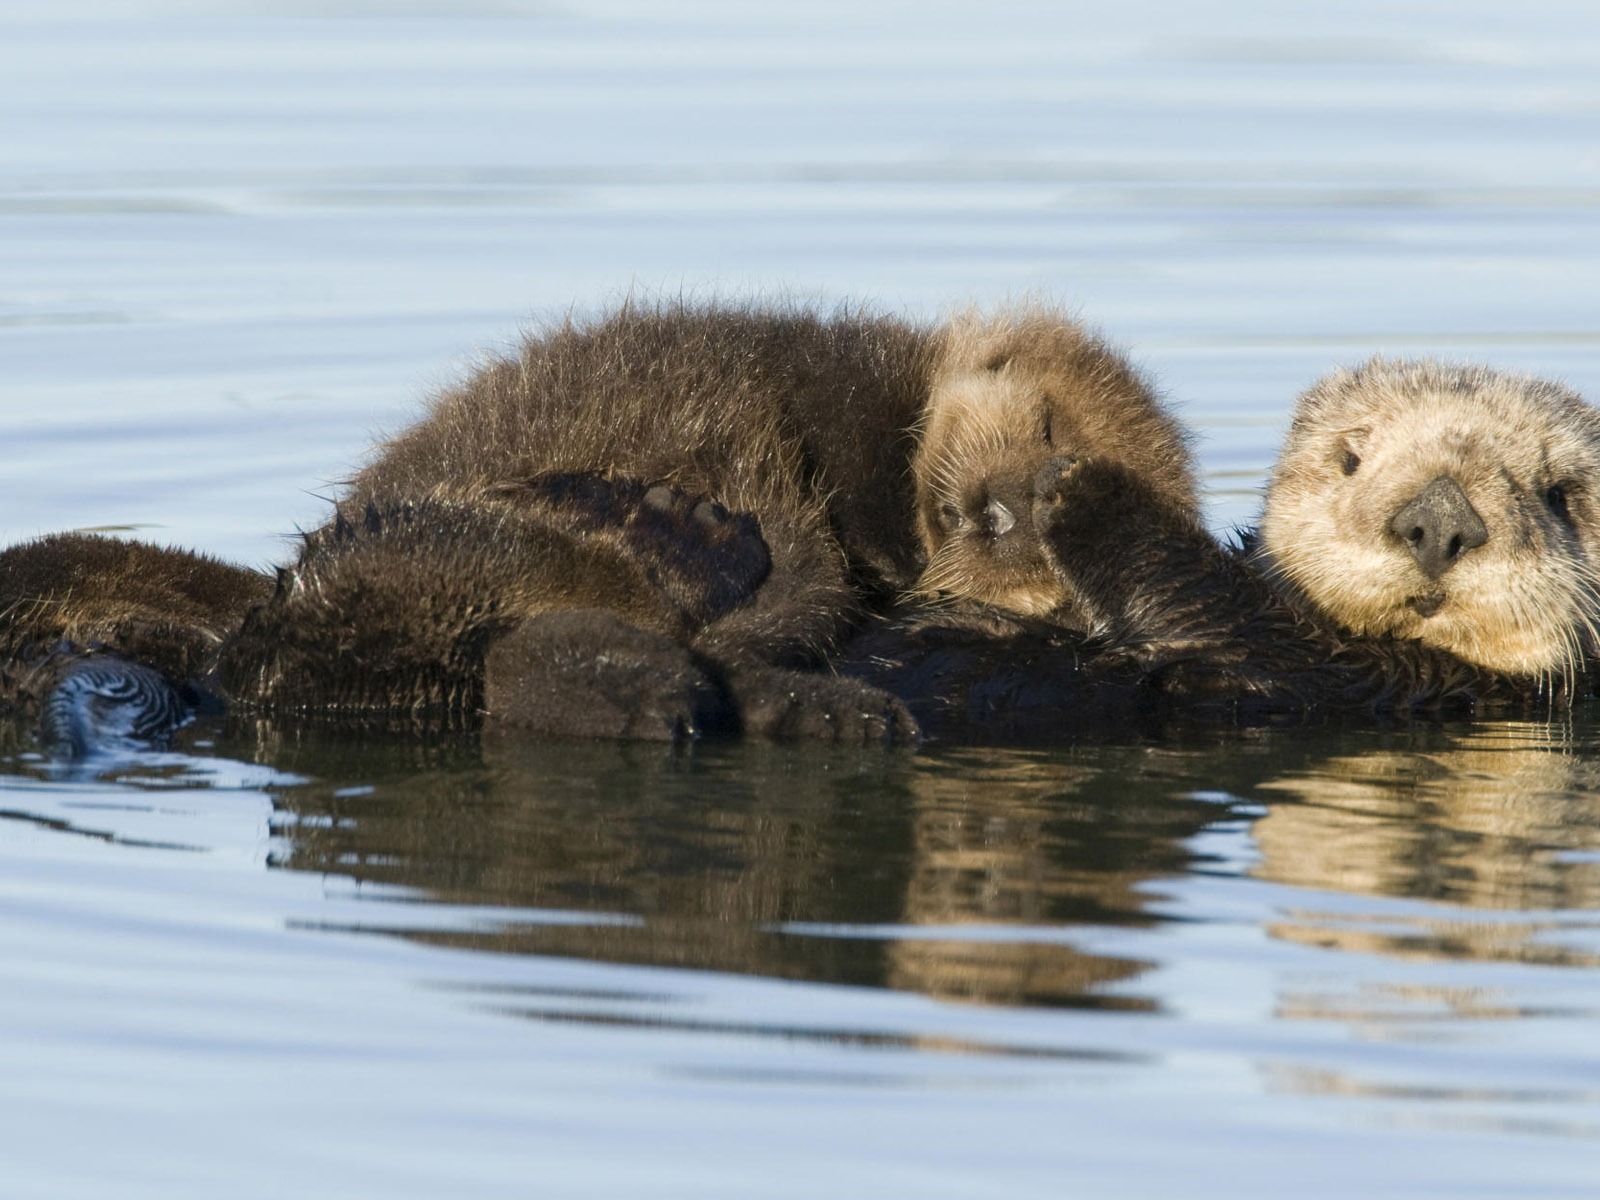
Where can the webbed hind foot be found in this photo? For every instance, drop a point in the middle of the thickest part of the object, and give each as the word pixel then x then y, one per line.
pixel 702 557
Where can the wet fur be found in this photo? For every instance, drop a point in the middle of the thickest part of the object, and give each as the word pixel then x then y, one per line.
pixel 390 617
pixel 72 595
pixel 797 420
pixel 818 428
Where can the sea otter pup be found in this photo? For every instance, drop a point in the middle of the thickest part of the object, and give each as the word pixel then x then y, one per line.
pixel 876 457
pixel 1427 544
pixel 1008 393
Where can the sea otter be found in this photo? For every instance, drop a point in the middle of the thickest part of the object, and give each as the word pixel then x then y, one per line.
pixel 1009 392
pixel 1455 505
pixel 877 458
pixel 1428 542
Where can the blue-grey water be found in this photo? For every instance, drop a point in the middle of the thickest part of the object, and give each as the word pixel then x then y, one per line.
pixel 238 240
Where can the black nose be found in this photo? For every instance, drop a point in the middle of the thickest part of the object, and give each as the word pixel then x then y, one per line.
pixel 1439 525
pixel 1007 502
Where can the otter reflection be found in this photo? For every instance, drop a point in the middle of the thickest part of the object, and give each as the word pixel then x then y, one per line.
pixel 1502 816
pixel 800 862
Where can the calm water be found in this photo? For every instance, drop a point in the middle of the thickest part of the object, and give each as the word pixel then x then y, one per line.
pixel 237 240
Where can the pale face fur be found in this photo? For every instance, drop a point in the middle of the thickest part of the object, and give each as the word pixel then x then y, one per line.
pixel 1525 453
pixel 1010 392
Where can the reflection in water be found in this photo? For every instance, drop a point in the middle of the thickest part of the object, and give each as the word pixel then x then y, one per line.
pixel 1373 917
pixel 927 873
pixel 1484 819
pixel 1028 841
pixel 962 874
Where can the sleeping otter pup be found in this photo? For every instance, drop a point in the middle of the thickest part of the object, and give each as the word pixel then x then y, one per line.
pixel 1008 393
pixel 876 457
pixel 1405 493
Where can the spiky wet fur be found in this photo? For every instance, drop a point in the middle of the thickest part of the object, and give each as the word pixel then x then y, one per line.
pixel 801 421
pixel 74 594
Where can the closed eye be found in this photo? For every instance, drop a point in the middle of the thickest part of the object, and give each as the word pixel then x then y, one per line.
pixel 1555 499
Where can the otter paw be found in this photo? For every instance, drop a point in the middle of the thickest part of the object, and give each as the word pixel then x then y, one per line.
pixel 793 705
pixel 587 673
pixel 1053 484
pixel 1070 485
pixel 705 559
pixel 1087 501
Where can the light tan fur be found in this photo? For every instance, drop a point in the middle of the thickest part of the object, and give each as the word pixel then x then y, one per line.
pixel 1364 442
pixel 1007 392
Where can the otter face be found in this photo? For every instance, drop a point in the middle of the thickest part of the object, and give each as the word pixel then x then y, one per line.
pixel 1455 505
pixel 1009 392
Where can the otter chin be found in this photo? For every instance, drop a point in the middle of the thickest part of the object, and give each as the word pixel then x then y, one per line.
pixel 1458 506
pixel 1007 393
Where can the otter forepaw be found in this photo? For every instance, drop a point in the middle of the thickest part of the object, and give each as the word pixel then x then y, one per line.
pixel 805 705
pixel 705 557
pixel 1081 487
pixel 1085 506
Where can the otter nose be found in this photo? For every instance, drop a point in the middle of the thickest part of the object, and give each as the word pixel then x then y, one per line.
pixel 1439 525
pixel 1001 519
pixel 1007 503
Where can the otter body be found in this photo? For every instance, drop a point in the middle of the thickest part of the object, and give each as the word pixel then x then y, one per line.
pixel 876 458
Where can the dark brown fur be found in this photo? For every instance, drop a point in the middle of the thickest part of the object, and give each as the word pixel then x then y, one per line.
pixel 391 616
pixel 797 420
pixel 810 425
pixel 73 594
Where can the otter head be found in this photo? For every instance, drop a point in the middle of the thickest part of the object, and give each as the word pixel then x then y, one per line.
pixel 1009 392
pixel 1455 505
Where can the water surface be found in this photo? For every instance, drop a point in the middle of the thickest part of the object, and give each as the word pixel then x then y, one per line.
pixel 237 240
